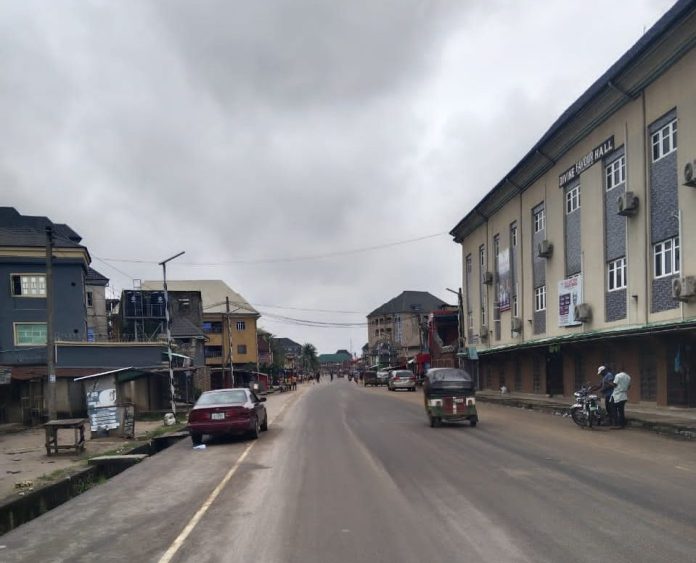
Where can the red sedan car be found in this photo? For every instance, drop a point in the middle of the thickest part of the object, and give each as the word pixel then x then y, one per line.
pixel 227 411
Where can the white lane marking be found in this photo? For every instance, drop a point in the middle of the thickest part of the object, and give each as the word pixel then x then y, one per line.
pixel 181 538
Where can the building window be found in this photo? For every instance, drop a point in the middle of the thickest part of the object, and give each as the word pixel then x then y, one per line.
pixel 214 327
pixel 515 307
pixel 241 325
pixel 513 235
pixel 470 321
pixel 184 305
pixel 30 285
pixel 496 246
pixel 484 317
pixel 573 199
pixel 30 334
pixel 213 351
pixel 482 257
pixel 468 264
pixel 540 298
pixel 539 221
pixel 664 141
pixel 241 349
pixel 616 173
pixel 617 274
pixel 90 299
pixel 666 254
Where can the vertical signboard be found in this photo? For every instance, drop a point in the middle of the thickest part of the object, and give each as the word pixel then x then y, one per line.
pixel 504 280
pixel 569 295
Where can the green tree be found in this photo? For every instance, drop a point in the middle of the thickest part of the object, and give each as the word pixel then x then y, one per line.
pixel 308 358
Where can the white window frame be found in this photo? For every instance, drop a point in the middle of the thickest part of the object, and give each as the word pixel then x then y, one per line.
pixel 573 199
pixel 515 306
pixel 482 257
pixel 241 325
pixel 34 284
pixel 540 299
pixel 666 258
pixel 468 264
pixel 616 274
pixel 615 173
pixel 15 328
pixel 664 140
pixel 539 221
pixel 89 299
pixel 513 235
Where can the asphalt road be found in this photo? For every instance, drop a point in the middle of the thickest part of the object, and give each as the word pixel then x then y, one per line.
pixel 348 474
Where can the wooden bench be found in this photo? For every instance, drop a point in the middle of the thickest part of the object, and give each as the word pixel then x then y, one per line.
pixel 52 427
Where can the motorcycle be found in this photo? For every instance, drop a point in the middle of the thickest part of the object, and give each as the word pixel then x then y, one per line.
pixel 586 411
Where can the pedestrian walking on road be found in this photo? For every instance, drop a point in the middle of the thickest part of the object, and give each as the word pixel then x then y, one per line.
pixel 622 383
pixel 317 376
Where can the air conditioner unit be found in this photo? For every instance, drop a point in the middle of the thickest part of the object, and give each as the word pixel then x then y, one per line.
pixel 684 289
pixel 483 332
pixel 488 278
pixel 627 204
pixel 690 174
pixel 583 312
pixel 516 324
pixel 545 249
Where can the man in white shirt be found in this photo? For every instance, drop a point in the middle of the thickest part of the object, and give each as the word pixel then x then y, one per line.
pixel 622 382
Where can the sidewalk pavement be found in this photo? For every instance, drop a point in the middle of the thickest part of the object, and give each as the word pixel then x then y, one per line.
pixel 673 421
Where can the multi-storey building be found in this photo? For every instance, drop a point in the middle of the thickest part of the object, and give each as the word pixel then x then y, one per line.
pixel 397 330
pixel 583 254
pixel 229 323
pixel 95 301
pixel 23 308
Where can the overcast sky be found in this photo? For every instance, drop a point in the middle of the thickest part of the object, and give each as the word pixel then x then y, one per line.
pixel 250 133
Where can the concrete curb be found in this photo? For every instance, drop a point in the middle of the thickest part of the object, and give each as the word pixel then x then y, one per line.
pixel 665 428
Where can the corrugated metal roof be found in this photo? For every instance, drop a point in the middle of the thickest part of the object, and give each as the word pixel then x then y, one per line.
pixel 410 302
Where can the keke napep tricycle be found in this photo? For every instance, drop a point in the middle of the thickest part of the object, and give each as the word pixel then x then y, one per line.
pixel 449 396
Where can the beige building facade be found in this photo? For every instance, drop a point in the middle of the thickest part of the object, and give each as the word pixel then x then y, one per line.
pixel 583 255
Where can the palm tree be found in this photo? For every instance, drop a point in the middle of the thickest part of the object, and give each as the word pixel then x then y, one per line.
pixel 308 357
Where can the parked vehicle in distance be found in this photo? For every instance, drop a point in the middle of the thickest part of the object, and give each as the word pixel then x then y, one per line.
pixel 382 377
pixel 369 378
pixel 448 394
pixel 227 412
pixel 401 379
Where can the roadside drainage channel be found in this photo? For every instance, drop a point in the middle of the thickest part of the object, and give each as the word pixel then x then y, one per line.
pixel 16 511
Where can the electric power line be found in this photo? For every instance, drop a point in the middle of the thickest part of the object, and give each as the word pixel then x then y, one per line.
pixel 284 259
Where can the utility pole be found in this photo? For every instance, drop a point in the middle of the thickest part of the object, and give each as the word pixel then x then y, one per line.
pixel 169 328
pixel 50 335
pixel 229 340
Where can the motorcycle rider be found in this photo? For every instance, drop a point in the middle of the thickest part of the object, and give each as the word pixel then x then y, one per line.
pixel 606 387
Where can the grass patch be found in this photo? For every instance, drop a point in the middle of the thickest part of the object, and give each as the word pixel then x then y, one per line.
pixel 162 430
pixel 58 474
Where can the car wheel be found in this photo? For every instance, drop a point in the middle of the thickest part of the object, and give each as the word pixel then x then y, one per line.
pixel 196 438
pixel 473 423
pixel 256 430
pixel 264 426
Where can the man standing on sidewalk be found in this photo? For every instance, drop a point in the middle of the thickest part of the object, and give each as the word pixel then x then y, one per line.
pixel 622 382
pixel 606 387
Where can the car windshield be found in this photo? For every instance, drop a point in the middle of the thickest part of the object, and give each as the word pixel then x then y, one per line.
pixel 236 397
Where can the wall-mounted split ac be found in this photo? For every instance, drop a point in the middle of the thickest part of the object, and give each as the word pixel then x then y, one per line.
pixel 684 289
pixel 488 278
pixel 583 312
pixel 690 174
pixel 627 204
pixel 516 324
pixel 545 249
pixel 483 332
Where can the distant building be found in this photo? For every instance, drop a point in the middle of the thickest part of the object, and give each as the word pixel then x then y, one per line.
pixel 341 360
pixel 231 336
pixel 397 330
pixel 95 301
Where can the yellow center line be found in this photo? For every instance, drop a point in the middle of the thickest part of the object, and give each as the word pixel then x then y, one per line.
pixel 181 538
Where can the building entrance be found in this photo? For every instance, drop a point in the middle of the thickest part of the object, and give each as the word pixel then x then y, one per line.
pixel 554 373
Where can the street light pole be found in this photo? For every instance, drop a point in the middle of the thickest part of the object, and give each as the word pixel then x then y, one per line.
pixel 169 330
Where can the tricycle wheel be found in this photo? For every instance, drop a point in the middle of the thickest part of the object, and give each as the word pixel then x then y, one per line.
pixel 435 421
pixel 473 422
